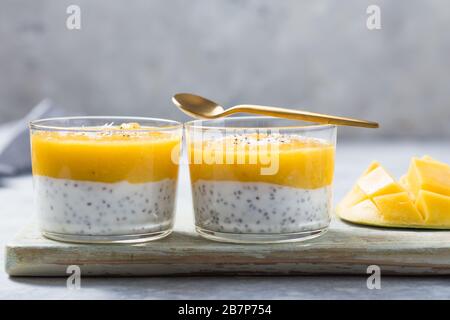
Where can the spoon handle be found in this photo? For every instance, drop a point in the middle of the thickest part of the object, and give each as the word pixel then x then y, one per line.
pixel 300 115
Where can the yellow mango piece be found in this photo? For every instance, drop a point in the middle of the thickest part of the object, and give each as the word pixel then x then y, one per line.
pixel 365 212
pixel 434 207
pixel 372 166
pixel 378 182
pixel 404 184
pixel 356 195
pixel 427 157
pixel 428 174
pixel 398 208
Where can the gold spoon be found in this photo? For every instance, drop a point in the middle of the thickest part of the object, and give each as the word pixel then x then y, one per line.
pixel 199 107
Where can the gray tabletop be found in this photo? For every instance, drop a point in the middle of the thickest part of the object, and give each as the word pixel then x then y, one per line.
pixel 16 200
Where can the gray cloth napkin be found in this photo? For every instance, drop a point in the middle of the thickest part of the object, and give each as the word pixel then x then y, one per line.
pixel 15 139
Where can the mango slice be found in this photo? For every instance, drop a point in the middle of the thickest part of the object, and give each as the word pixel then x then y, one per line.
pixel 398 208
pixel 365 212
pixel 378 182
pixel 428 174
pixel 404 184
pixel 356 195
pixel 372 166
pixel 434 207
pixel 427 157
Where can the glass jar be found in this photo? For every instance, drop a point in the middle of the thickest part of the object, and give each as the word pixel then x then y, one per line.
pixel 105 179
pixel 261 179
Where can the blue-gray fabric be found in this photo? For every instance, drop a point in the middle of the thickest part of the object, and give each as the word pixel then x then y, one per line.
pixel 15 139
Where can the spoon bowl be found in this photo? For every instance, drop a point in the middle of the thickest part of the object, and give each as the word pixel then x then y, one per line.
pixel 197 106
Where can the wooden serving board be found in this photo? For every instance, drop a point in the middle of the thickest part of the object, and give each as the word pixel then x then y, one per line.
pixel 344 249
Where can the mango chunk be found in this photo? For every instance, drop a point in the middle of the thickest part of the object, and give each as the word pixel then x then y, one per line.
pixel 356 195
pixel 434 207
pixel 427 157
pixel 398 208
pixel 365 212
pixel 372 166
pixel 428 174
pixel 378 182
pixel 404 184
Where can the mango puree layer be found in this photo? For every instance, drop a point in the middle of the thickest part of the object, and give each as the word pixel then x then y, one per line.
pixel 136 157
pixel 297 162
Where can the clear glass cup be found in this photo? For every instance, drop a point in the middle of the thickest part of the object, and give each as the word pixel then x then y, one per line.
pixel 105 179
pixel 261 179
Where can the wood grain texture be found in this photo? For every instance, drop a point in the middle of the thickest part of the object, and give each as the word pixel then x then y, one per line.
pixel 344 249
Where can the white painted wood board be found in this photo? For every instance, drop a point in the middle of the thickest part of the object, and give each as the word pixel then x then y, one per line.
pixel 344 249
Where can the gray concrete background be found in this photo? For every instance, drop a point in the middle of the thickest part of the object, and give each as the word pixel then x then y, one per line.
pixel 131 56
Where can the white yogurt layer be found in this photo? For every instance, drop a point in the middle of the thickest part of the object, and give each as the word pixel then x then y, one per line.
pixel 254 207
pixel 97 209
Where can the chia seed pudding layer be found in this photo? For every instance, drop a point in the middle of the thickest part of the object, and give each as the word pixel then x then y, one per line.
pixel 257 207
pixel 103 209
